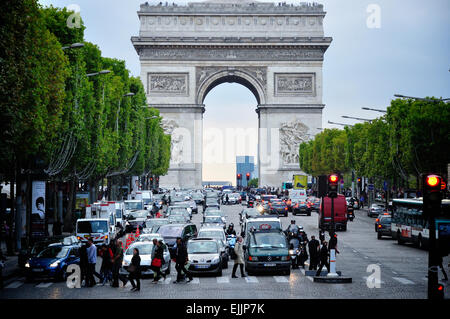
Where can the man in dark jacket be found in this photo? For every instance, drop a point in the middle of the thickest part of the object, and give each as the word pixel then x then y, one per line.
pixel 117 263
pixel 314 249
pixel 181 258
pixel 84 263
pixel 323 258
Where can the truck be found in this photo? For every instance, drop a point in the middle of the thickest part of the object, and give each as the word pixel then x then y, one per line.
pixel 100 223
pixel 340 213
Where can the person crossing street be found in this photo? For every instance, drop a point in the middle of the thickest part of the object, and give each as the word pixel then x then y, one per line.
pixel 239 251
pixel 323 259
pixel 181 258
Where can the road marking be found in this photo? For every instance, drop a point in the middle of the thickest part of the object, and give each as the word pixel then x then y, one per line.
pixel 373 280
pixel 281 279
pixel 251 280
pixel 195 281
pixel 44 285
pixel 223 280
pixel 394 272
pixel 167 280
pixel 15 284
pixel 403 280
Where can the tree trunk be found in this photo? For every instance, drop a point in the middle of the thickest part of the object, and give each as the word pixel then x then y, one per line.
pixel 68 227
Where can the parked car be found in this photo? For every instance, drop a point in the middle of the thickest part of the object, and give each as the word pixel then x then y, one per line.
pixel 52 262
pixel 204 256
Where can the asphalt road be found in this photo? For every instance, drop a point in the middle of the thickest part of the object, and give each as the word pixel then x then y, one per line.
pixel 402 273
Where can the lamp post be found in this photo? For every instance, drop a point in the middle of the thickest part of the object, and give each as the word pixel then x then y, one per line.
pixel 73 46
pixel 356 118
pixel 421 98
pixel 98 73
pixel 376 110
pixel 342 124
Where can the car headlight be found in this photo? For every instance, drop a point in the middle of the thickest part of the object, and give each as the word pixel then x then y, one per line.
pixel 55 264
pixel 27 265
pixel 215 260
pixel 291 252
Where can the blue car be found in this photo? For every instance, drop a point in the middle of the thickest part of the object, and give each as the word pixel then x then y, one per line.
pixel 52 262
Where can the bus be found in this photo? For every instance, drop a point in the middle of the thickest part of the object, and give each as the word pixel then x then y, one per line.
pixel 409 225
pixel 287 185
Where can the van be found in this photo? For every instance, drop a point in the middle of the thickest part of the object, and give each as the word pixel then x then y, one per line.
pixel 340 213
pixel 99 229
pixel 297 195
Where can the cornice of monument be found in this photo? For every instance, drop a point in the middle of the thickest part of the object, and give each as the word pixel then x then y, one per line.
pixel 234 7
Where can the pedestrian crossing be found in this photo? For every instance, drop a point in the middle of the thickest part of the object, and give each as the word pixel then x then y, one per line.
pixel 223 280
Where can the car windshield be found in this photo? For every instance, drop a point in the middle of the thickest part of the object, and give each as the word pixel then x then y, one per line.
pixel 202 247
pixel 92 226
pixel 54 252
pixel 182 204
pixel 214 219
pixel 213 212
pixel 264 225
pixel 178 211
pixel 133 205
pixel 155 221
pixel 138 214
pixel 170 231
pixel 219 234
pixel 118 213
pixel 266 240
pixel 147 201
pixel 144 249
pixel 385 220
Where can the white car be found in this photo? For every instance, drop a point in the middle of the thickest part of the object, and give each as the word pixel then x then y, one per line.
pixel 218 234
pixel 145 252
pixel 149 237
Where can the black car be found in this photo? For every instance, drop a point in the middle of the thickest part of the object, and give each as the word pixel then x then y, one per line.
pixel 170 232
pixel 301 207
pixel 279 207
pixel 384 227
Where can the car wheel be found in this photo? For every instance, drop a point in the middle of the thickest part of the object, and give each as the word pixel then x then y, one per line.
pixel 287 272
pixel 379 235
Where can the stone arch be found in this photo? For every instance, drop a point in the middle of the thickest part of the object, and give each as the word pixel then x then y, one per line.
pixel 231 76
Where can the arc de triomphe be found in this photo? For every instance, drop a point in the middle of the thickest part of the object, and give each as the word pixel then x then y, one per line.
pixel 275 50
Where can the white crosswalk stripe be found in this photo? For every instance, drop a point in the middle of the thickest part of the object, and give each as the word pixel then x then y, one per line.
pixel 251 280
pixel 44 285
pixel 195 281
pixel 404 280
pixel 15 284
pixel 282 279
pixel 167 281
pixel 223 280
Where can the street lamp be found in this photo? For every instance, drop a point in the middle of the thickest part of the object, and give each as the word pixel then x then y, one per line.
pixel 329 122
pixel 376 110
pixel 98 73
pixel 356 118
pixel 150 118
pixel 73 46
pixel 420 98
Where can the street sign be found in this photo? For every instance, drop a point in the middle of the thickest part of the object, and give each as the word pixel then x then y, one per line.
pixel 371 188
pixel 385 185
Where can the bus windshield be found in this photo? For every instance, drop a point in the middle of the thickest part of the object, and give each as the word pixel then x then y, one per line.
pixel 92 226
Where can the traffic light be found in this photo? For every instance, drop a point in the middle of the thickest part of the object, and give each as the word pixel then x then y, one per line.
pixel 247 176
pixel 440 291
pixel 239 176
pixel 432 193
pixel 333 180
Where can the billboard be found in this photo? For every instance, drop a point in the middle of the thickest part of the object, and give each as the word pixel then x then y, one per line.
pixel 38 209
pixel 300 181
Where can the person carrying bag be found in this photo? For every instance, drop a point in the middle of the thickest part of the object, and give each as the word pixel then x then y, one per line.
pixel 158 261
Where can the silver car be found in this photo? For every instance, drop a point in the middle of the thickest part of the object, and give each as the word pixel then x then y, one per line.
pixel 218 234
pixel 204 256
pixel 145 252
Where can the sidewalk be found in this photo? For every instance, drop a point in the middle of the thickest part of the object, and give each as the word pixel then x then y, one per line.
pixel 11 268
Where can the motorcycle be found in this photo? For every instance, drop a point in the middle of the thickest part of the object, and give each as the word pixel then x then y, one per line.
pixel 294 250
pixel 231 240
pixel 350 214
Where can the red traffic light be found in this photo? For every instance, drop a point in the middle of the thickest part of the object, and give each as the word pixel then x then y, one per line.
pixel 443 185
pixel 433 180
pixel 248 174
pixel 333 178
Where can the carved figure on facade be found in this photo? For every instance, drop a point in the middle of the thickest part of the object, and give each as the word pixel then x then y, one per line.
pixel 176 147
pixel 292 134
pixel 168 83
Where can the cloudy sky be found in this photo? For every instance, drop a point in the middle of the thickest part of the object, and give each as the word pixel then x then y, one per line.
pixel 408 54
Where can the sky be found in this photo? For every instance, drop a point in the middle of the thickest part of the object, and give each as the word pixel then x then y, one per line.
pixel 406 51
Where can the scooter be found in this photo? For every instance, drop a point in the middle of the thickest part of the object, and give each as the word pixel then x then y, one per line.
pixel 350 214
pixel 231 240
pixel 294 251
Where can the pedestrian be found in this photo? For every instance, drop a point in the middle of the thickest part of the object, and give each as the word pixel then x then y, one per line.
pixel 181 259
pixel 314 249
pixel 92 261
pixel 2 265
pixel 158 260
pixel 226 199
pixel 362 201
pixel 333 242
pixel 303 255
pixel 106 268
pixel 239 260
pixel 323 256
pixel 321 236
pixel 155 210
pixel 442 268
pixel 84 263
pixel 117 263
pixel 134 271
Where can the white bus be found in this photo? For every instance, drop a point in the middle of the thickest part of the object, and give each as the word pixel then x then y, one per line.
pixel 409 225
